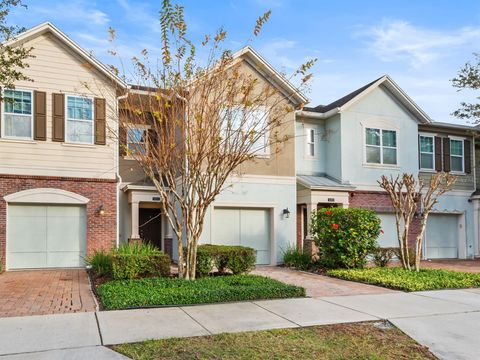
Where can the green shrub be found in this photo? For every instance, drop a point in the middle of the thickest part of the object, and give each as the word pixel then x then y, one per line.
pixel 399 279
pixel 100 263
pixel 132 261
pixel 383 256
pixel 295 258
pixel 345 237
pixel 121 294
pixel 237 259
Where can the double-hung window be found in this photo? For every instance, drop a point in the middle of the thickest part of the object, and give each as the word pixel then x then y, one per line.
pixel 456 155
pixel 79 119
pixel 381 146
pixel 136 140
pixel 17 114
pixel 243 126
pixel 427 152
pixel 310 142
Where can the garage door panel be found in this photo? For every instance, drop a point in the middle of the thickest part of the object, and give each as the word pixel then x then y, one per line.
pixel 227 229
pixel 65 259
pixel 27 260
pixel 389 237
pixel 41 236
pixel 441 236
pixel 64 232
pixel 245 227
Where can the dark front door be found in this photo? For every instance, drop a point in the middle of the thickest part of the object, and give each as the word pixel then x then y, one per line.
pixel 150 226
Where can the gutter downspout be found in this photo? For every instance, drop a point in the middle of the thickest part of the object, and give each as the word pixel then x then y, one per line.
pixel 119 177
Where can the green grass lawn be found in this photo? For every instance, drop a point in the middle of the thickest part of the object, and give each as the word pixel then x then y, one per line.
pixel 345 341
pixel 122 294
pixel 399 279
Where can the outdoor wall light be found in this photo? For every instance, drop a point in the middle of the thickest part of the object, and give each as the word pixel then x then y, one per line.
pixel 101 210
pixel 286 213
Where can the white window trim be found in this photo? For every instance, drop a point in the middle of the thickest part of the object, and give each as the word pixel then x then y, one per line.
pixel 141 126
pixel 264 152
pixel 66 119
pixel 308 131
pixel 463 154
pixel 420 152
pixel 381 164
pixel 2 135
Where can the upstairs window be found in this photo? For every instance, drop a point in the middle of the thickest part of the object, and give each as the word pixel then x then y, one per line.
pixel 137 141
pixel 456 155
pixel 427 152
pixel 381 146
pixel 310 143
pixel 79 120
pixel 17 114
pixel 235 123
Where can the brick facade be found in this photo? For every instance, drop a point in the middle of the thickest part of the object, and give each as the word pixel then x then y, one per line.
pixel 101 229
pixel 299 224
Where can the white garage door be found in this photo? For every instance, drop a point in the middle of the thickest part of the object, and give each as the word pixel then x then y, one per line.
pixel 389 237
pixel 245 227
pixel 44 236
pixel 441 236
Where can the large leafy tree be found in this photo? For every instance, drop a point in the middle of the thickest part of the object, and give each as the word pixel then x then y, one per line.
pixel 468 77
pixel 12 58
pixel 206 117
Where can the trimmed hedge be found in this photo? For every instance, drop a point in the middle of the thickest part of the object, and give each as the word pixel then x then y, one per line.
pixel 237 259
pixel 134 266
pixel 122 294
pixel 345 237
pixel 399 279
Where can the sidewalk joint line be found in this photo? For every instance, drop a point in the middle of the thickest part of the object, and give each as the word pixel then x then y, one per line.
pixel 98 328
pixel 280 316
pixel 349 308
pixel 198 322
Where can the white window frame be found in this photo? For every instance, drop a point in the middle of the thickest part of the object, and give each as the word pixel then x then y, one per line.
pixel 135 127
pixel 462 140
pixel 2 135
pixel 265 151
pixel 308 142
pixel 66 119
pixel 381 146
pixel 420 151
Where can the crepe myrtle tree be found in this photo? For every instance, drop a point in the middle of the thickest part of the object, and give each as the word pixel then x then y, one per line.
pixel 409 195
pixel 12 58
pixel 205 116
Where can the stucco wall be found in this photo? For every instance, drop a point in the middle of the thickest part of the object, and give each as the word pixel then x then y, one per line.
pixel 377 109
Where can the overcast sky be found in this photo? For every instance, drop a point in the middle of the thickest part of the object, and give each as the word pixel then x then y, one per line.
pixel 420 44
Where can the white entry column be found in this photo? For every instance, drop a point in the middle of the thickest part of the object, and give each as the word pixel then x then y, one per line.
pixel 134 206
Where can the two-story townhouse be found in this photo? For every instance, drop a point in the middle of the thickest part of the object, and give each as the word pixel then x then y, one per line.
pixel 345 147
pixel 257 207
pixel 58 160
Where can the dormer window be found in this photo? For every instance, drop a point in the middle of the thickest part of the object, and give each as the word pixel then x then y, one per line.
pixel 381 146
pixel 17 119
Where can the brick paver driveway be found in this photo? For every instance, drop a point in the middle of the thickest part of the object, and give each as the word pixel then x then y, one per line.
pixel 318 285
pixel 38 292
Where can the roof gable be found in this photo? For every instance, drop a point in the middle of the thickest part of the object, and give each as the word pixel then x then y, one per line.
pixel 385 81
pixel 254 59
pixel 48 27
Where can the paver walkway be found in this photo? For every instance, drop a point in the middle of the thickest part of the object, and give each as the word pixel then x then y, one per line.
pixel 448 322
pixel 39 292
pixel 454 264
pixel 318 285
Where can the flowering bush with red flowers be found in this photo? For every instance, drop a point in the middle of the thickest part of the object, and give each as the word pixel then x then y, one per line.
pixel 345 237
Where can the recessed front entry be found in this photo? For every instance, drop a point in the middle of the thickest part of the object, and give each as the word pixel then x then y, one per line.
pixel 45 236
pixel 245 227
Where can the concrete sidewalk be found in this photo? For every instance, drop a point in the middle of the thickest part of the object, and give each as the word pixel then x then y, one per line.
pixel 438 319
